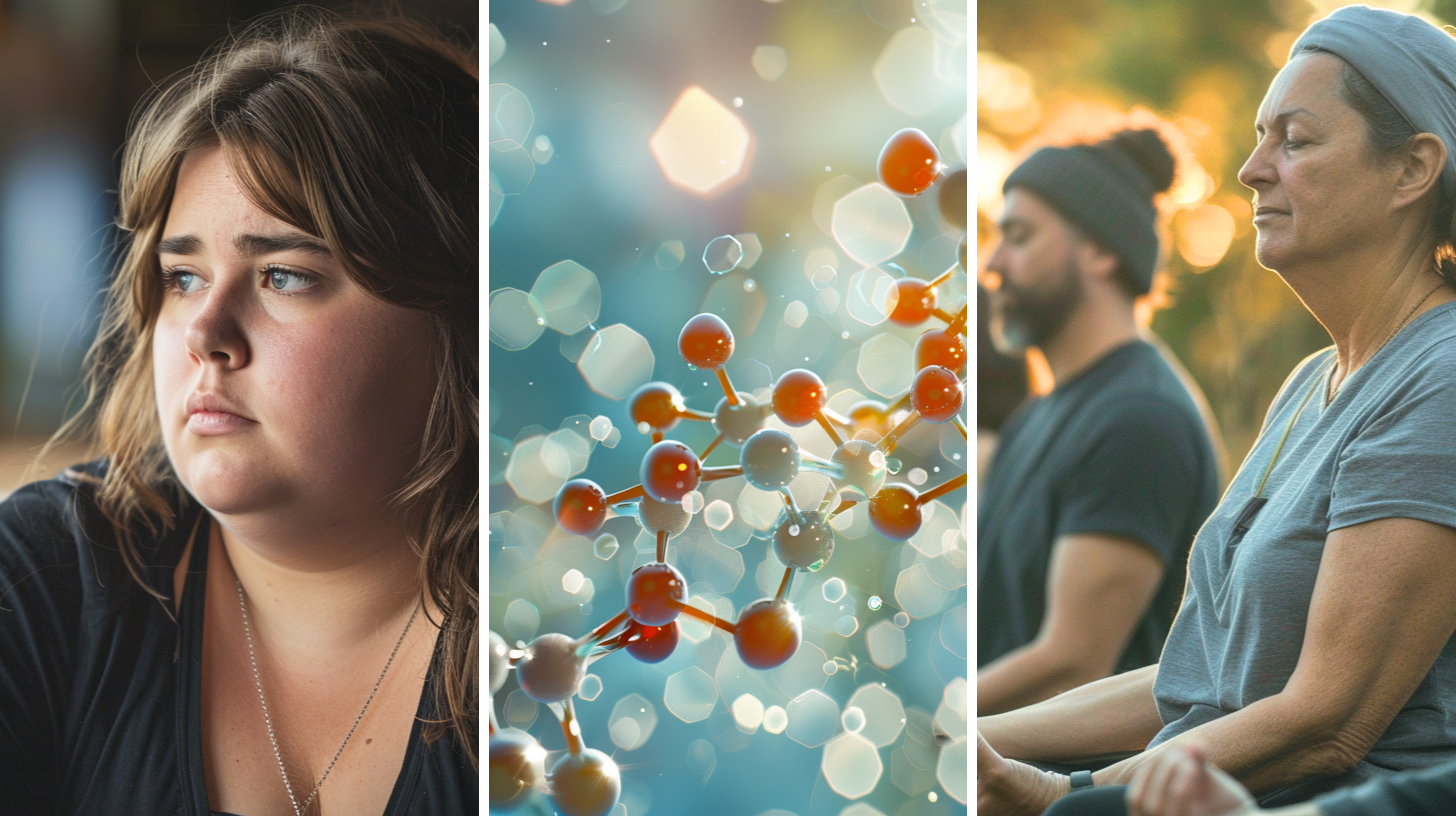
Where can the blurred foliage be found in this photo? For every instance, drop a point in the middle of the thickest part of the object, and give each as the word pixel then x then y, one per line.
pixel 1055 71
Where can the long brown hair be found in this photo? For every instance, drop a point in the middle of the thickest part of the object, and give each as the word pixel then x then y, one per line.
pixel 363 132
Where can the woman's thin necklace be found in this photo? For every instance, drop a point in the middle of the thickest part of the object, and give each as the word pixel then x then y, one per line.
pixel 268 719
pixel 1330 386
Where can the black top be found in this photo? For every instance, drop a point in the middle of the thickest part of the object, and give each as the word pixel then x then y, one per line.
pixel 1431 792
pixel 100 690
pixel 1120 449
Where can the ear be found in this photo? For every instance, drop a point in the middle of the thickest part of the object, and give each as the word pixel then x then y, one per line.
pixel 1421 169
pixel 1096 261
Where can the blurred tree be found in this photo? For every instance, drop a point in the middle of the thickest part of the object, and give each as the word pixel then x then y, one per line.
pixel 1201 67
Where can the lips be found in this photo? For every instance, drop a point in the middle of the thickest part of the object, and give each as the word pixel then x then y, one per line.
pixel 212 403
pixel 215 415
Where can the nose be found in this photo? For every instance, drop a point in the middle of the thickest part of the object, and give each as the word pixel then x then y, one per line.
pixel 215 333
pixel 1258 171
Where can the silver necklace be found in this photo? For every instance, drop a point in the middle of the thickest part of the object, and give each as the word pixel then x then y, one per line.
pixel 268 719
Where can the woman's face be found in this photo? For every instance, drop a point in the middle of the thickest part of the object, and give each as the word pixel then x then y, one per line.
pixel 285 391
pixel 1317 189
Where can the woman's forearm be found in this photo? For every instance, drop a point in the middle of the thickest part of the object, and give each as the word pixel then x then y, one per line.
pixel 1108 716
pixel 1265 745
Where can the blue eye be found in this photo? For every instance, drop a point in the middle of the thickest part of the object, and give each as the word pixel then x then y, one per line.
pixel 179 280
pixel 287 280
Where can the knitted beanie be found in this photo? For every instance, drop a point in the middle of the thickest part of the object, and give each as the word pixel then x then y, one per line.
pixel 1106 190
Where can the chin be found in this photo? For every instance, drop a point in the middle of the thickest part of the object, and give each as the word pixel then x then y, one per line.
pixel 228 482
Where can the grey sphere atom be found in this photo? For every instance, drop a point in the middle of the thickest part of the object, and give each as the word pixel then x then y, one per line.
pixel 550 671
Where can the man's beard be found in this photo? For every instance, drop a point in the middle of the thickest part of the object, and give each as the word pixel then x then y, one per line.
pixel 1024 317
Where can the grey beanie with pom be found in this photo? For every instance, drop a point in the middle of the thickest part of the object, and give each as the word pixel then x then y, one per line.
pixel 1107 191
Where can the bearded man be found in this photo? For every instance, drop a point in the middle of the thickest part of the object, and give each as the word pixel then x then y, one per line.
pixel 1097 488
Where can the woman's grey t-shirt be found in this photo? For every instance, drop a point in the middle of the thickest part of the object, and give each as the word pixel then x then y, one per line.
pixel 1384 448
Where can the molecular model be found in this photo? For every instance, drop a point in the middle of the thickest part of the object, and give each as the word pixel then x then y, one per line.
pixel 552 668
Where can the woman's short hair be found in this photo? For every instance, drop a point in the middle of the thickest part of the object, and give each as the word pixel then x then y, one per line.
pixel 363 132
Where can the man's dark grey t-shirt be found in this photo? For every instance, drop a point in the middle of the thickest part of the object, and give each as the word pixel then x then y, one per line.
pixel 1120 449
pixel 1384 448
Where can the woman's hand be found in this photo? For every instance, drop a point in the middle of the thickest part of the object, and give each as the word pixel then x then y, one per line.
pixel 1182 782
pixel 1005 787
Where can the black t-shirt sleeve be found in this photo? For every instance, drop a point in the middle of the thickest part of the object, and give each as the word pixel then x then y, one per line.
pixel 1141 478
pixel 1431 792
pixel 37 574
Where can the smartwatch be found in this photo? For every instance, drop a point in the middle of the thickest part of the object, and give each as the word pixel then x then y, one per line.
pixel 1081 779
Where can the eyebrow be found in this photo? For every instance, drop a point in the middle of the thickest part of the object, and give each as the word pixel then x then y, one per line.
pixel 1007 223
pixel 247 244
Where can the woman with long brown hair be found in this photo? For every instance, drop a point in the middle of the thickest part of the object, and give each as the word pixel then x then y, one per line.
pixel 262 598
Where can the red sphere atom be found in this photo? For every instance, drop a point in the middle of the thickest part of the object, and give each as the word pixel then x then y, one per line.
pixel 650 591
pixel 942 348
pixel 580 507
pixel 937 394
pixel 656 403
pixel 909 162
pixel 653 644
pixel 767 633
pixel 871 414
pixel 798 397
pixel 915 303
pixel 670 470
pixel 895 512
pixel 706 341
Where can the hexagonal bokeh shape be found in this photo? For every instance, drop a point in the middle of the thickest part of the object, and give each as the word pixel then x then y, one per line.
pixel 617 360
pixel 872 296
pixel 813 718
pixel 690 695
pixel 748 713
pixel 951 770
pixel 522 619
pixel 886 643
pixel 516 319
pixel 702 759
pixel 871 224
pixel 497 44
pixel 619 134
pixel 918 594
pixel 701 145
pixel 885 363
pixel 953 628
pixel 770 62
pixel 511 168
pixel 722 254
pixel 752 249
pixel 511 118
pixel 537 469
pixel 950 715
pixel 851 765
pixel 861 809
pixel 906 73
pixel 883 711
pixel 570 296
pixel 632 722
pixel 669 255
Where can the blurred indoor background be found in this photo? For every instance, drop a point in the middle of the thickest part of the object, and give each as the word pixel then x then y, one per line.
pixel 71 71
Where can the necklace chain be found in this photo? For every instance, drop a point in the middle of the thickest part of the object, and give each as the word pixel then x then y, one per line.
pixel 268 719
pixel 1330 389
